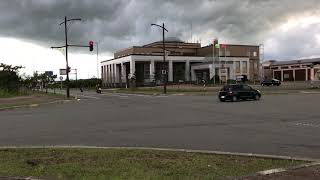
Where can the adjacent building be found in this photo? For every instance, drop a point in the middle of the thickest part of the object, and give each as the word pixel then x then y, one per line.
pixel 293 70
pixel 185 62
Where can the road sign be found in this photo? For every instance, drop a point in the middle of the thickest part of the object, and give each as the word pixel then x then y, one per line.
pixel 61 78
pixel 63 71
pixel 50 73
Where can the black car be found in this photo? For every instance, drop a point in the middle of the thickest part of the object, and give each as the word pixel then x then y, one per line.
pixel 272 82
pixel 236 92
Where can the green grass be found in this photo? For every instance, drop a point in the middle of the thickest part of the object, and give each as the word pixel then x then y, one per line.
pixel 6 94
pixel 129 164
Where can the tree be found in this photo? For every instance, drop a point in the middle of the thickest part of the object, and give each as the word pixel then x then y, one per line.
pixel 46 79
pixel 9 79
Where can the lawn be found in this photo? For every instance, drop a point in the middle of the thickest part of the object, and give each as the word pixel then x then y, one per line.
pixel 14 100
pixel 63 163
pixel 6 94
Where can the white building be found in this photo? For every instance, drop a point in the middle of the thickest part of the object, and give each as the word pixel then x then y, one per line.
pixel 186 62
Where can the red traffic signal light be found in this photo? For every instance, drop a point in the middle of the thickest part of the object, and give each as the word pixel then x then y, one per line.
pixel 91 45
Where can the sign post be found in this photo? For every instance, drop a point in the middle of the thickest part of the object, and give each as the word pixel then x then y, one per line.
pixel 61 78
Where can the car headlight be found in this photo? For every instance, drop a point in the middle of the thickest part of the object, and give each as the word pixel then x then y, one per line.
pixel 258 91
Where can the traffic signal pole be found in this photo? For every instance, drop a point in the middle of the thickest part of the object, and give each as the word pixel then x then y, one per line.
pixel 67 68
pixel 66 46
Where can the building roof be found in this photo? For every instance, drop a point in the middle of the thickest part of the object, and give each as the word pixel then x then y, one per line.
pixel 299 61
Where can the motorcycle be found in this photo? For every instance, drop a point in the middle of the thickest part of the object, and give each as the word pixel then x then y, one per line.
pixel 99 90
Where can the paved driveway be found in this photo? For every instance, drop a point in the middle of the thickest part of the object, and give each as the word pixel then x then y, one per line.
pixel 278 124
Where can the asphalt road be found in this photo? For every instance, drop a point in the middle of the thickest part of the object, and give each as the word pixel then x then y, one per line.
pixel 277 124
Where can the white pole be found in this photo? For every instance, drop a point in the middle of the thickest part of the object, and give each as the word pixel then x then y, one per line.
pixel 97 60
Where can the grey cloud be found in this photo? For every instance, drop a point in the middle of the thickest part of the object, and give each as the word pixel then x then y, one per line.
pixel 117 24
pixel 294 44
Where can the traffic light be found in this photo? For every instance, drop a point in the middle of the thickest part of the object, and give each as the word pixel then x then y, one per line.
pixel 91 45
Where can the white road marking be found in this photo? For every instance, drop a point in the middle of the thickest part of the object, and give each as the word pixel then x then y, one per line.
pixel 307 124
pixel 92 97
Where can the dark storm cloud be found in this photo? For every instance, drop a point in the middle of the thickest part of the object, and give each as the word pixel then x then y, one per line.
pixel 117 24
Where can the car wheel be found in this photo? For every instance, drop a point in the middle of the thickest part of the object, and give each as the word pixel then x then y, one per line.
pixel 235 98
pixel 256 97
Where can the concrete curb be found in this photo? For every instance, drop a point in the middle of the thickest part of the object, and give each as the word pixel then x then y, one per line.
pixel 276 171
pixel 19 178
pixel 33 105
pixel 169 149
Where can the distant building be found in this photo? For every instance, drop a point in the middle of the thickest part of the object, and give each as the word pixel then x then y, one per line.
pixel 185 62
pixel 293 70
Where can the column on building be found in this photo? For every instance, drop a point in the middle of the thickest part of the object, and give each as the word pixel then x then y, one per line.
pixel 116 74
pixel 103 73
pixel 123 73
pixel 152 71
pixel 193 75
pixel 312 74
pixel 232 71
pixel 211 71
pixel 132 67
pixel 234 65
pixel 294 74
pixel 281 75
pixel 241 71
pixel 306 74
pixel 187 71
pixel 170 71
pixel 248 70
pixel 108 74
pixel 112 74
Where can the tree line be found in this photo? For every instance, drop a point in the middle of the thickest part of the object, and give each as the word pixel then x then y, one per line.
pixel 11 81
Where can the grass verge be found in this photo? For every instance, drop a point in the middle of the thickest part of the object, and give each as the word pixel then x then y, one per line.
pixel 6 94
pixel 64 163
pixel 30 99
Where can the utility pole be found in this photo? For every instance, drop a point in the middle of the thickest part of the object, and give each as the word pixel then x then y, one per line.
pixel 66 46
pixel 165 73
pixel 66 38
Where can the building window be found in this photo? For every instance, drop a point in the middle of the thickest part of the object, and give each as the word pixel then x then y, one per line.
pixel 228 53
pixel 237 66
pixel 244 66
pixel 255 54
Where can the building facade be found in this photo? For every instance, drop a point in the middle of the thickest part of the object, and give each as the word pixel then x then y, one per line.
pixel 185 62
pixel 293 70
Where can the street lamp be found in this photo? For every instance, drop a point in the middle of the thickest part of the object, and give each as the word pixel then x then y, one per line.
pixel 66 46
pixel 97 60
pixel 164 58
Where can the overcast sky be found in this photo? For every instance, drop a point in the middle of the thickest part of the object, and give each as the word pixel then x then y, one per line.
pixel 28 28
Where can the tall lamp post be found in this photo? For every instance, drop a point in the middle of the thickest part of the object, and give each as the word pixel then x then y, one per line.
pixel 164 58
pixel 97 60
pixel 66 46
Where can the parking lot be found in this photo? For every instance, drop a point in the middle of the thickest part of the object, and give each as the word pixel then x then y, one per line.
pixel 286 124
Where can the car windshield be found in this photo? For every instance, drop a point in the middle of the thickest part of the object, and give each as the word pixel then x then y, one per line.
pixel 159 89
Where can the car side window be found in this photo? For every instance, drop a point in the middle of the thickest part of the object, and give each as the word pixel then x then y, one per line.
pixel 245 87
